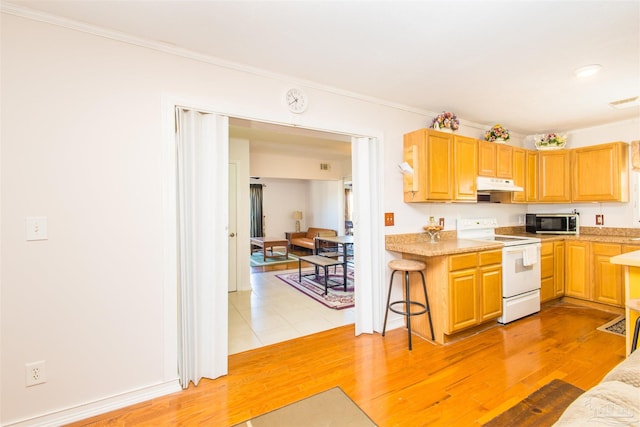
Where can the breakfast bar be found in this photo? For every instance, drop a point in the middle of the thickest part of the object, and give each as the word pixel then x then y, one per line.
pixel 463 283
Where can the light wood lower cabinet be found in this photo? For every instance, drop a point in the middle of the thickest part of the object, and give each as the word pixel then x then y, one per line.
pixel 607 277
pixel 475 289
pixel 465 290
pixel 551 270
pixel 578 277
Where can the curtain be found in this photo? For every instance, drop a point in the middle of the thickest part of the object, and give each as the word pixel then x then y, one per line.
pixel 202 170
pixel 255 194
pixel 635 155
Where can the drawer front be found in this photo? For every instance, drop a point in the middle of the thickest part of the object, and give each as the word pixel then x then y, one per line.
pixel 491 257
pixel 462 261
pixel 546 248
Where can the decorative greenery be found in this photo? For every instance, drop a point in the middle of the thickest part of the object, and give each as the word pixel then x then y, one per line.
pixel 445 120
pixel 550 140
pixel 497 132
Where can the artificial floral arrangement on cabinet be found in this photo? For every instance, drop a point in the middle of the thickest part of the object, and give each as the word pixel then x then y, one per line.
pixel 497 134
pixel 446 121
pixel 550 141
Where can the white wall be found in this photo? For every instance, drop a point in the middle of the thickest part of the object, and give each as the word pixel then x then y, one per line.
pixel 81 142
pixel 278 166
pixel 280 198
pixel 82 137
pixel 320 202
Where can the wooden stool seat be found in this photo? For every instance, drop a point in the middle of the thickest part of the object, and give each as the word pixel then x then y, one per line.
pixel 407 266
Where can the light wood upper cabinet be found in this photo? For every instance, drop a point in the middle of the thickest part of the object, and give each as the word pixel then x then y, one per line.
pixel 554 176
pixel 486 158
pixel 430 154
pixel 600 173
pixel 495 160
pixel 531 178
pixel 519 174
pixel 444 167
pixel 465 169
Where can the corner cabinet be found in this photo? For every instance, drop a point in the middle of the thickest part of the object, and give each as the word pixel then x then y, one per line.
pixel 577 270
pixel 600 173
pixel 444 167
pixel 608 286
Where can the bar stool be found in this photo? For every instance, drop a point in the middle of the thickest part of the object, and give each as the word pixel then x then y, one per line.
pixel 634 304
pixel 407 266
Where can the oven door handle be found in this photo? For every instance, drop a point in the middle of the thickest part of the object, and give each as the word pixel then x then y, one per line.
pixel 516 249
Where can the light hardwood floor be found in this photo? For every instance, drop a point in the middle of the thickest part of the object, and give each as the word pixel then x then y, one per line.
pixel 465 383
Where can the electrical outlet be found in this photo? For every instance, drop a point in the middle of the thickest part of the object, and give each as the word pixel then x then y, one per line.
pixel 600 219
pixel 35 373
pixel 388 219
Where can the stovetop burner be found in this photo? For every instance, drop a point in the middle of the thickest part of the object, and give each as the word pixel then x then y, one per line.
pixel 484 229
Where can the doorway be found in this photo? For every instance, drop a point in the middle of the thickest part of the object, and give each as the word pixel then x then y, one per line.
pixel 369 270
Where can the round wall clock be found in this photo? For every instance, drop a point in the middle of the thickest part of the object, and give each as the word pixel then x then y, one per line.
pixel 296 100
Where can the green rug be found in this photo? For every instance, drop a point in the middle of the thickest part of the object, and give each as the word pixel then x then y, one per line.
pixel 257 261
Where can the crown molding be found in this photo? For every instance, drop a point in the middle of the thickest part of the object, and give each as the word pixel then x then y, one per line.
pixel 28 13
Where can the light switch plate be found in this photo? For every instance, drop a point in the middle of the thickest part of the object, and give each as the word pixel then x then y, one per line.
pixel 36 228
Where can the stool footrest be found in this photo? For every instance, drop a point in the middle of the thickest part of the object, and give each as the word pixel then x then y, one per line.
pixel 408 313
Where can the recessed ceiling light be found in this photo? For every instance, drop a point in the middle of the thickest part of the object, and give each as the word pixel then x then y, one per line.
pixel 626 103
pixel 588 70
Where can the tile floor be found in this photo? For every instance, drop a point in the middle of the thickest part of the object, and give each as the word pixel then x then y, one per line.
pixel 274 311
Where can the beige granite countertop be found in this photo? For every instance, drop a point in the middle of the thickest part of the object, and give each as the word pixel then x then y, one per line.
pixel 442 247
pixel 419 244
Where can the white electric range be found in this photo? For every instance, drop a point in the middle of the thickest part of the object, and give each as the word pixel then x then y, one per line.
pixel 520 266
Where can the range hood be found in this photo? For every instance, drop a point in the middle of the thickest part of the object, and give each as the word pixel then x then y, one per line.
pixel 487 184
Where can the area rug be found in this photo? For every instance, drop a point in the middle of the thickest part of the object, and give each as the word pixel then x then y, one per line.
pixel 258 261
pixel 328 408
pixel 617 326
pixel 541 408
pixel 313 287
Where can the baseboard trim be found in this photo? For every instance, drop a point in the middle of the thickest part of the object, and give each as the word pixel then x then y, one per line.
pixel 91 409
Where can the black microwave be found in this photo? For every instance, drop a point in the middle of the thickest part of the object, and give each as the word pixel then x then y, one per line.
pixel 552 223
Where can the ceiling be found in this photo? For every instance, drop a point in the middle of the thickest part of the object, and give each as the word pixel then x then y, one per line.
pixel 487 61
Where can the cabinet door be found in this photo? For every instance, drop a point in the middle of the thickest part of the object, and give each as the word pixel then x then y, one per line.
pixel 490 292
pixel 439 166
pixel 578 280
pixel 558 272
pixel 607 278
pixel 463 299
pixel 519 175
pixel 600 173
pixel 465 170
pixel 415 149
pixel 487 158
pixel 547 269
pixel 531 182
pixel 504 161
pixel 554 176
